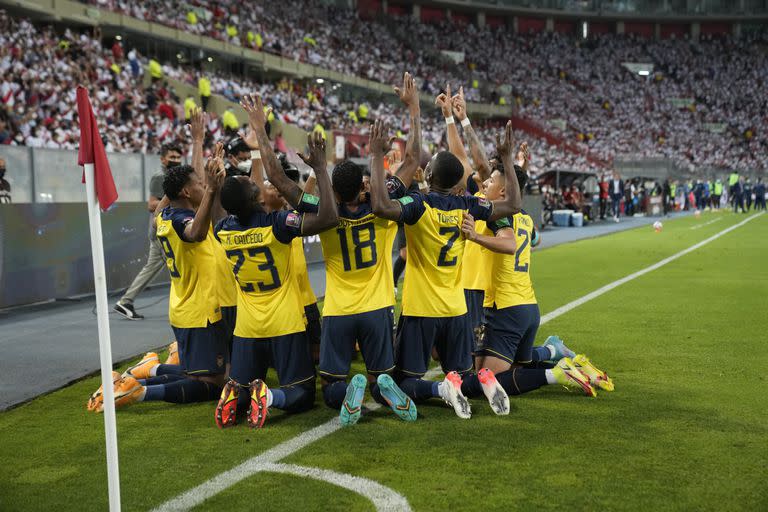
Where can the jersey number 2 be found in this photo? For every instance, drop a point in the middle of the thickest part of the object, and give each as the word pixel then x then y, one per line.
pixel 519 251
pixel 360 246
pixel 441 260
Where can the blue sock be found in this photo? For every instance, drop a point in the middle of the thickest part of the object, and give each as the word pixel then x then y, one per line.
pixel 419 389
pixel 376 394
pixel 541 354
pixel 160 379
pixel 154 393
pixel 334 393
pixel 471 387
pixel 190 390
pixel 169 369
pixel 517 381
pixel 294 399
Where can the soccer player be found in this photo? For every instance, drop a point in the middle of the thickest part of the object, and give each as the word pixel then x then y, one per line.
pixel 360 295
pixel 270 324
pixel 513 319
pixel 434 308
pixel 183 229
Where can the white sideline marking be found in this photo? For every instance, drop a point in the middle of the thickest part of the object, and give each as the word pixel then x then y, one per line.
pixel 379 495
pixel 698 226
pixel 610 286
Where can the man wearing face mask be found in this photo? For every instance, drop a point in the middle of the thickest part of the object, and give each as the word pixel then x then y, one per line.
pixel 5 187
pixel 170 156
pixel 238 162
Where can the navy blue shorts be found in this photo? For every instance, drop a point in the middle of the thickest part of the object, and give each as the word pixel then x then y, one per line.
pixel 229 317
pixel 289 355
pixel 416 336
pixel 371 330
pixel 510 333
pixel 313 323
pixel 476 314
pixel 203 350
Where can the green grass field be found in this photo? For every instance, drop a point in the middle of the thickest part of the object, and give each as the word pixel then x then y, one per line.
pixel 686 428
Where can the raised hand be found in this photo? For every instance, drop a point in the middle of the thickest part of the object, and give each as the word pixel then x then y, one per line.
pixel 443 101
pixel 379 140
pixel 197 122
pixel 408 93
pixel 505 147
pixel 254 107
pixel 468 227
pixel 459 105
pixel 316 157
pixel 251 140
pixel 523 156
pixel 214 168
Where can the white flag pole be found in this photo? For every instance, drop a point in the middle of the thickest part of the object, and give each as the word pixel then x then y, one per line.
pixel 105 344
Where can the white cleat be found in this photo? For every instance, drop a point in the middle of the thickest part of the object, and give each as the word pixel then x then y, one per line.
pixel 495 394
pixel 450 391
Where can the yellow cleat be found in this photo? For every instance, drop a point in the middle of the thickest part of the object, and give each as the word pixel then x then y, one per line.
pixel 128 391
pixel 569 376
pixel 596 376
pixel 141 370
pixel 173 354
pixel 96 399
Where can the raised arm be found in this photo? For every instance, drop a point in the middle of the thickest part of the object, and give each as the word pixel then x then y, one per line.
pixel 197 230
pixel 513 201
pixel 257 168
pixel 381 204
pixel 504 242
pixel 327 215
pixel 197 122
pixel 455 145
pixel 409 95
pixel 482 166
pixel 257 119
pixel 215 164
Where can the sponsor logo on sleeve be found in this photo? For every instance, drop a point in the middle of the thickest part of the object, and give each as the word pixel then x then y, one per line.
pixel 293 220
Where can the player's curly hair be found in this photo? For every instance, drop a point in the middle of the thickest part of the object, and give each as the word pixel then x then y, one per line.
pixel 176 179
pixel 522 176
pixel 170 146
pixel 234 198
pixel 347 179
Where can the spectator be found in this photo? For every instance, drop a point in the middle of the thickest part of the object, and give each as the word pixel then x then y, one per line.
pixel 616 187
pixel 5 187
pixel 603 185
pixel 204 88
pixel 230 123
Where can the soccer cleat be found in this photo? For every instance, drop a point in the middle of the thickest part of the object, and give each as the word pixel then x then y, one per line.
pixel 173 354
pixel 450 391
pixel 495 394
pixel 570 377
pixel 141 370
pixel 226 409
pixel 257 412
pixel 128 311
pixel 96 400
pixel 127 391
pixel 351 408
pixel 400 403
pixel 561 350
pixel 596 377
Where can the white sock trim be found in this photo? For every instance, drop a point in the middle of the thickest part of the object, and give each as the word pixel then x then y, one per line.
pixel 550 377
pixel 269 398
pixel 552 351
pixel 153 370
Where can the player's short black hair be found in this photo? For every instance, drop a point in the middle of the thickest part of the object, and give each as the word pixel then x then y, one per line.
pixel 289 168
pixel 347 179
pixel 176 179
pixel 235 146
pixel 447 170
pixel 235 197
pixel 168 147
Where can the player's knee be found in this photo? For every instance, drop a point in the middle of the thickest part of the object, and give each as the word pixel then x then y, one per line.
pixel 305 399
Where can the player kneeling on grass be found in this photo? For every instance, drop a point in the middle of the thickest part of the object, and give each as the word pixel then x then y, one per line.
pixel 270 327
pixel 183 230
pixel 513 320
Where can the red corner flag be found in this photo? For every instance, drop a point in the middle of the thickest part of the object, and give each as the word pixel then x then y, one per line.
pixel 92 151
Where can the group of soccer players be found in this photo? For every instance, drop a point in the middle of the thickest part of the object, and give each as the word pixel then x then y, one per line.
pixel 241 302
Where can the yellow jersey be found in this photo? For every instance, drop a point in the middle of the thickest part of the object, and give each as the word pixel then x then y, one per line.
pixel 193 298
pixel 259 252
pixel 358 262
pixel 511 284
pixel 435 245
pixel 226 286
pixel 477 261
pixel 299 262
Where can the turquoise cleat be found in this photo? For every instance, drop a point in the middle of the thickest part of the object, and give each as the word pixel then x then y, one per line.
pixel 353 401
pixel 401 404
pixel 561 350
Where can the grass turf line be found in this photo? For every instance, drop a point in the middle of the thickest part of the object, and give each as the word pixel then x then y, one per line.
pixel 680 432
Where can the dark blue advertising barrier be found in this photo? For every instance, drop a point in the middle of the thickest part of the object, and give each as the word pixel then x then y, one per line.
pixel 45 249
